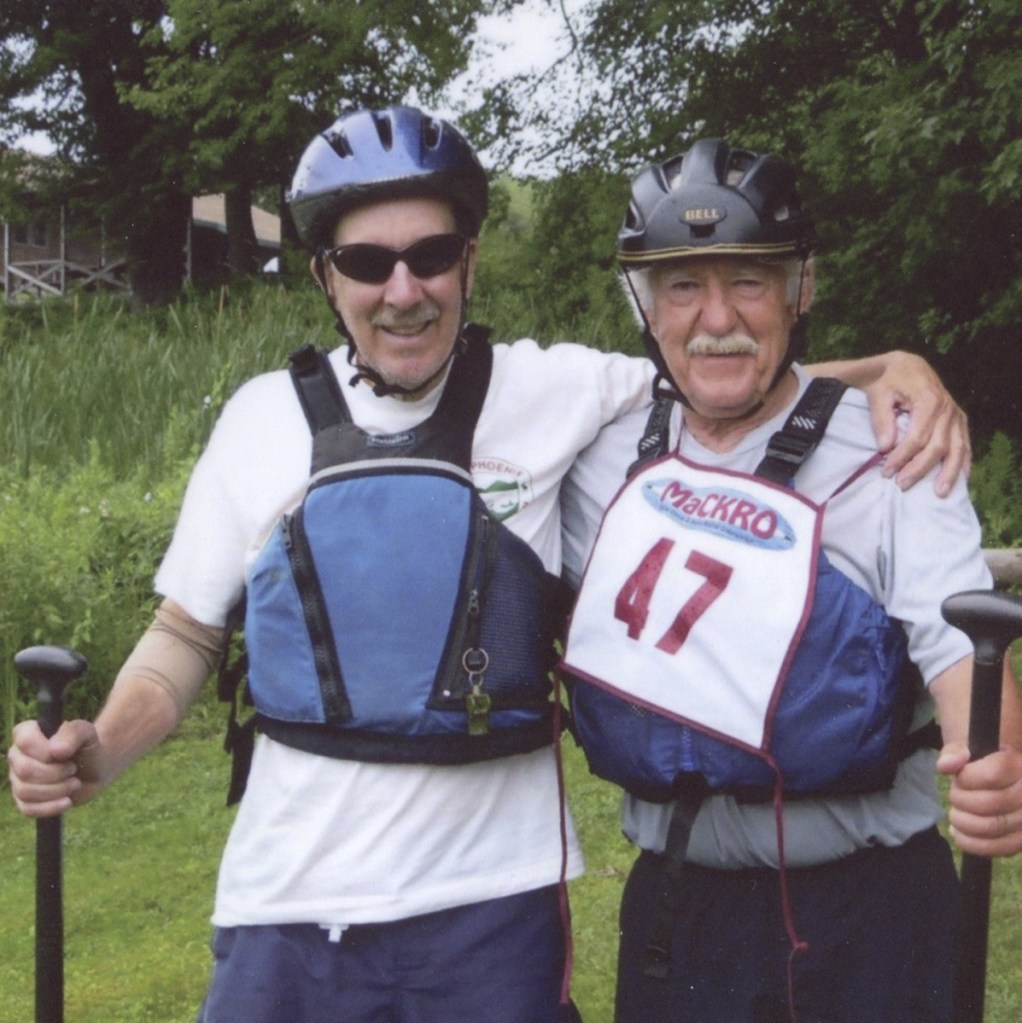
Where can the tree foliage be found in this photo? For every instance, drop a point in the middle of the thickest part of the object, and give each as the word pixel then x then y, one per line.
pixel 156 100
pixel 73 61
pixel 549 273
pixel 905 119
pixel 253 80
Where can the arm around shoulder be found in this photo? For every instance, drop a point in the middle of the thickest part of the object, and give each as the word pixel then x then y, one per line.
pixel 938 430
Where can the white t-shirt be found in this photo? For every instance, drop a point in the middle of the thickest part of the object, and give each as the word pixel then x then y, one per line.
pixel 335 842
pixel 908 549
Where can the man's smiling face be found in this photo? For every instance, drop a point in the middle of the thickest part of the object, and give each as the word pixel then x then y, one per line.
pixel 404 328
pixel 723 327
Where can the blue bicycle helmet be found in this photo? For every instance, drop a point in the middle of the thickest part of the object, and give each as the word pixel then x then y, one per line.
pixel 384 154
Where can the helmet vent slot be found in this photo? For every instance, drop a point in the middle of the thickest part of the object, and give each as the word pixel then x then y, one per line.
pixel 430 134
pixel 385 130
pixel 339 143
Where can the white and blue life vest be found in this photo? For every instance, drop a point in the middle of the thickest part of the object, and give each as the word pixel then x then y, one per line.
pixel 390 617
pixel 713 643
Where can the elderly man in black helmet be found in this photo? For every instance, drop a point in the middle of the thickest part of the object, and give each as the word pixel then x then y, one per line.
pixel 390 511
pixel 757 645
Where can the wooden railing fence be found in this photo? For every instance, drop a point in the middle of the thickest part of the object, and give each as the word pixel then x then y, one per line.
pixel 1006 565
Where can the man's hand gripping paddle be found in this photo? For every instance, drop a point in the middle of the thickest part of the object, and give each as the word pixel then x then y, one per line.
pixel 51 669
pixel 991 621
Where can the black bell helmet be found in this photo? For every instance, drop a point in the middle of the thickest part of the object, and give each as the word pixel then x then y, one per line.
pixel 714 200
pixel 392 153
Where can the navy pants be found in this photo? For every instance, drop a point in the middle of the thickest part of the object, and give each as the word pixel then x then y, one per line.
pixel 493 962
pixel 880 926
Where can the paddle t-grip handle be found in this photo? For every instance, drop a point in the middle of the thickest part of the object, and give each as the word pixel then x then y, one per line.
pixel 991 621
pixel 51 669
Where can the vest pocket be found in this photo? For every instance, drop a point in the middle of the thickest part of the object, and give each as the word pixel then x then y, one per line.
pixel 317 619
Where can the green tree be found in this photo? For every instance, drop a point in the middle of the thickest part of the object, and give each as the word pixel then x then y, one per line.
pixel 151 101
pixel 74 61
pixel 905 119
pixel 252 80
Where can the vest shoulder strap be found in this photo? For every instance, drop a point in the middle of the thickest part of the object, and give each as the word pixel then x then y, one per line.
pixel 465 390
pixel 447 433
pixel 317 387
pixel 791 445
pixel 786 450
pixel 656 437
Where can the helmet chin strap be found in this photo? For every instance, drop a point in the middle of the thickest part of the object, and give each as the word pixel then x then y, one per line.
pixel 381 387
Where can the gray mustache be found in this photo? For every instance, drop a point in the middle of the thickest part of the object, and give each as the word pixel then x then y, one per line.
pixel 391 319
pixel 729 344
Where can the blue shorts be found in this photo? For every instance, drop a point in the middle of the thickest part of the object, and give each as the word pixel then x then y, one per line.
pixel 880 926
pixel 499 961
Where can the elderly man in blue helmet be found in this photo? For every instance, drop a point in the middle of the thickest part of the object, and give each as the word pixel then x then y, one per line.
pixel 389 510
pixel 758 649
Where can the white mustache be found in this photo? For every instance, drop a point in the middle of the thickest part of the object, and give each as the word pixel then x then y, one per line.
pixel 729 344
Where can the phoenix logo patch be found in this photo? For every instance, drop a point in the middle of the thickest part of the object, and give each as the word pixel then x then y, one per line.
pixel 505 488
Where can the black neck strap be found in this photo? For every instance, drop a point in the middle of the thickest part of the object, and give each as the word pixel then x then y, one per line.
pixel 446 434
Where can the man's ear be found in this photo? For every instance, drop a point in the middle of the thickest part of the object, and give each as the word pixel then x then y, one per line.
pixel 317 270
pixel 470 273
pixel 807 290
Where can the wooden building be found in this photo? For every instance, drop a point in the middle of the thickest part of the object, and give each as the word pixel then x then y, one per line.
pixel 50 249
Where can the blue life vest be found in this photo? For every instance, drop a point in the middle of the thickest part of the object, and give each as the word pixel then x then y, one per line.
pixel 845 706
pixel 391 617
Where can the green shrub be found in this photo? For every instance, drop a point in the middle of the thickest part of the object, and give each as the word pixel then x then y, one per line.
pixel 996 488
pixel 71 372
pixel 78 550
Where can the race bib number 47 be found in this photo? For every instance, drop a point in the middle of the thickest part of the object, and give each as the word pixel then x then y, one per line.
pixel 695 596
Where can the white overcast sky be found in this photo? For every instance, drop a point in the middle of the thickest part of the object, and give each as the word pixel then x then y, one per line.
pixel 531 39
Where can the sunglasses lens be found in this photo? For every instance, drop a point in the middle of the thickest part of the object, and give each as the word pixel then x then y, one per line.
pixel 434 256
pixel 370 264
pixel 373 264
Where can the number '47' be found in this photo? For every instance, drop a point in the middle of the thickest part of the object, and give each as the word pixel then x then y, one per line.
pixel 632 604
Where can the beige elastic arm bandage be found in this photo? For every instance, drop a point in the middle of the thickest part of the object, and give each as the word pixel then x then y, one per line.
pixel 177 653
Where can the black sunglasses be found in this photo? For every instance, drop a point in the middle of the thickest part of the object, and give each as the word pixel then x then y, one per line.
pixel 373 264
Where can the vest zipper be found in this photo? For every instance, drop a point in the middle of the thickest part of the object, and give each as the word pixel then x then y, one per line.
pixel 466 661
pixel 475 660
pixel 299 555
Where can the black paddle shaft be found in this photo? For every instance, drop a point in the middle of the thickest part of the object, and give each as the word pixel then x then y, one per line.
pixel 991 621
pixel 51 669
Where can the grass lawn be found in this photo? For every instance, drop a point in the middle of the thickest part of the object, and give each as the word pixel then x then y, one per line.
pixel 140 868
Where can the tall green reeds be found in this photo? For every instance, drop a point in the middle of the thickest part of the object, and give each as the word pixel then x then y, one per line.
pixel 102 414
pixel 87 372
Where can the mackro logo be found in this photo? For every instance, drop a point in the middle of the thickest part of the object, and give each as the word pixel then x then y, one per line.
pixel 729 513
